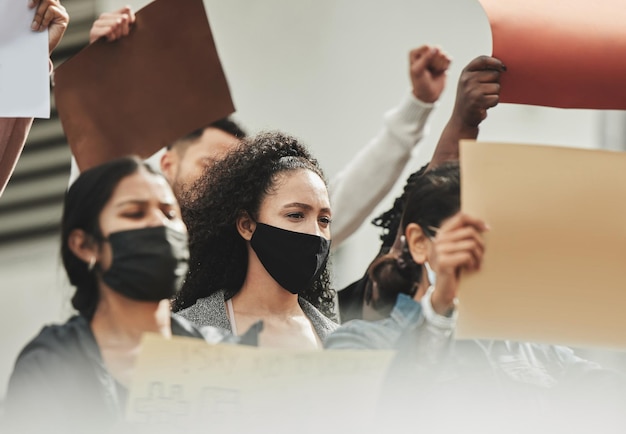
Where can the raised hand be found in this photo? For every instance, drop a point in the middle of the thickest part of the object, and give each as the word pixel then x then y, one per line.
pixel 457 245
pixel 478 90
pixel 51 15
pixel 427 68
pixel 112 25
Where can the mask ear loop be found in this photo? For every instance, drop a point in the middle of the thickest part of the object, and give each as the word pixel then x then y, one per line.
pixel 91 264
pixel 406 263
pixel 432 277
pixel 97 238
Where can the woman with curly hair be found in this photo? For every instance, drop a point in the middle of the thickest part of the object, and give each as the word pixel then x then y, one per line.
pixel 260 237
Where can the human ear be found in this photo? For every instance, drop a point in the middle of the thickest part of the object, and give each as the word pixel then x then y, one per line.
pixel 169 164
pixel 245 225
pixel 83 246
pixel 417 242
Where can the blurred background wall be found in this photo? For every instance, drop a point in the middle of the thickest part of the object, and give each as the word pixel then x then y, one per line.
pixel 322 70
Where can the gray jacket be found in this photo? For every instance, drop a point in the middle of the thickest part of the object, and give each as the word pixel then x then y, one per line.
pixel 211 311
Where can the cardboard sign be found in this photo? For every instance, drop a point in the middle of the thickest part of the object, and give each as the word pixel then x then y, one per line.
pixel 560 53
pixel 185 383
pixel 144 91
pixel 553 267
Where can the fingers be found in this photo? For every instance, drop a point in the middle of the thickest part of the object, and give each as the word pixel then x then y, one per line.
pixel 46 13
pixel 459 243
pixel 463 234
pixel 428 57
pixel 112 25
pixel 417 53
pixel 478 90
pixel 419 58
pixel 439 62
pixel 484 95
pixel 48 16
pixel 51 15
pixel 487 76
pixel 461 219
pixel 427 68
pixel 41 9
pixel 485 62
pixel 462 254
pixel 129 11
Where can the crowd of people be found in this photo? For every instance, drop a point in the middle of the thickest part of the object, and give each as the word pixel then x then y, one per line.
pixel 231 242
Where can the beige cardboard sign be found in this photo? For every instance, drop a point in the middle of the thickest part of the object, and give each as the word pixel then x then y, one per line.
pixel 553 269
pixel 185 383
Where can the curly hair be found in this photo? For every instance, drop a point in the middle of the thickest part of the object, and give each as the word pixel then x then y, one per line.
pixel 236 184
pixel 389 221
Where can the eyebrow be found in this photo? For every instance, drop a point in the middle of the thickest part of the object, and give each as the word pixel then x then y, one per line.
pixel 140 202
pixel 304 206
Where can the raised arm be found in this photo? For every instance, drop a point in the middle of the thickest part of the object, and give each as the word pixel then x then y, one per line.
pixel 477 91
pixel 369 176
pixel 50 15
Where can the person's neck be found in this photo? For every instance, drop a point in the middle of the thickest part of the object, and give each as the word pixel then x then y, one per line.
pixel 423 286
pixel 261 295
pixel 123 321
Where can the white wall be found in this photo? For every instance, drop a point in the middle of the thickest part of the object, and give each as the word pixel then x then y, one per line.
pixel 325 71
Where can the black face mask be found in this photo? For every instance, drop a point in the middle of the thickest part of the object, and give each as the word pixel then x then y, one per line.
pixel 293 259
pixel 149 264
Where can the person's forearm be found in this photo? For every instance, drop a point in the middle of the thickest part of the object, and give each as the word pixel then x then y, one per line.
pixel 13 133
pixel 448 146
pixel 369 176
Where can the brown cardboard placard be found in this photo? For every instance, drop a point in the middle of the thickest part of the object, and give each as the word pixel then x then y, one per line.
pixel 144 91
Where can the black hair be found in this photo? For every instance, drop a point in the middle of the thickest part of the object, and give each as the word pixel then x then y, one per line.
pixel 234 185
pixel 389 221
pixel 435 197
pixel 227 125
pixel 83 204
pixel 429 198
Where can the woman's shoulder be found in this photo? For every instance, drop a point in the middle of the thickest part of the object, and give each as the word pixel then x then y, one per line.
pixel 207 311
pixel 61 339
pixel 56 354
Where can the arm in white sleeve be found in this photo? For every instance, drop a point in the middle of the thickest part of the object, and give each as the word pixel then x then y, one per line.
pixel 436 333
pixel 368 177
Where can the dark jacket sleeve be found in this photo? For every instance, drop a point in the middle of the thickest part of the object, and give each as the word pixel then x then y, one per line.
pixel 32 400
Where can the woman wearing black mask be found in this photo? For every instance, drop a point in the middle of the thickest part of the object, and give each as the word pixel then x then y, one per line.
pixel 259 243
pixel 124 247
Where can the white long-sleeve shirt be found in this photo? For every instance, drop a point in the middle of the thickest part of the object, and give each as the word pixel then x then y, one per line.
pixel 370 175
